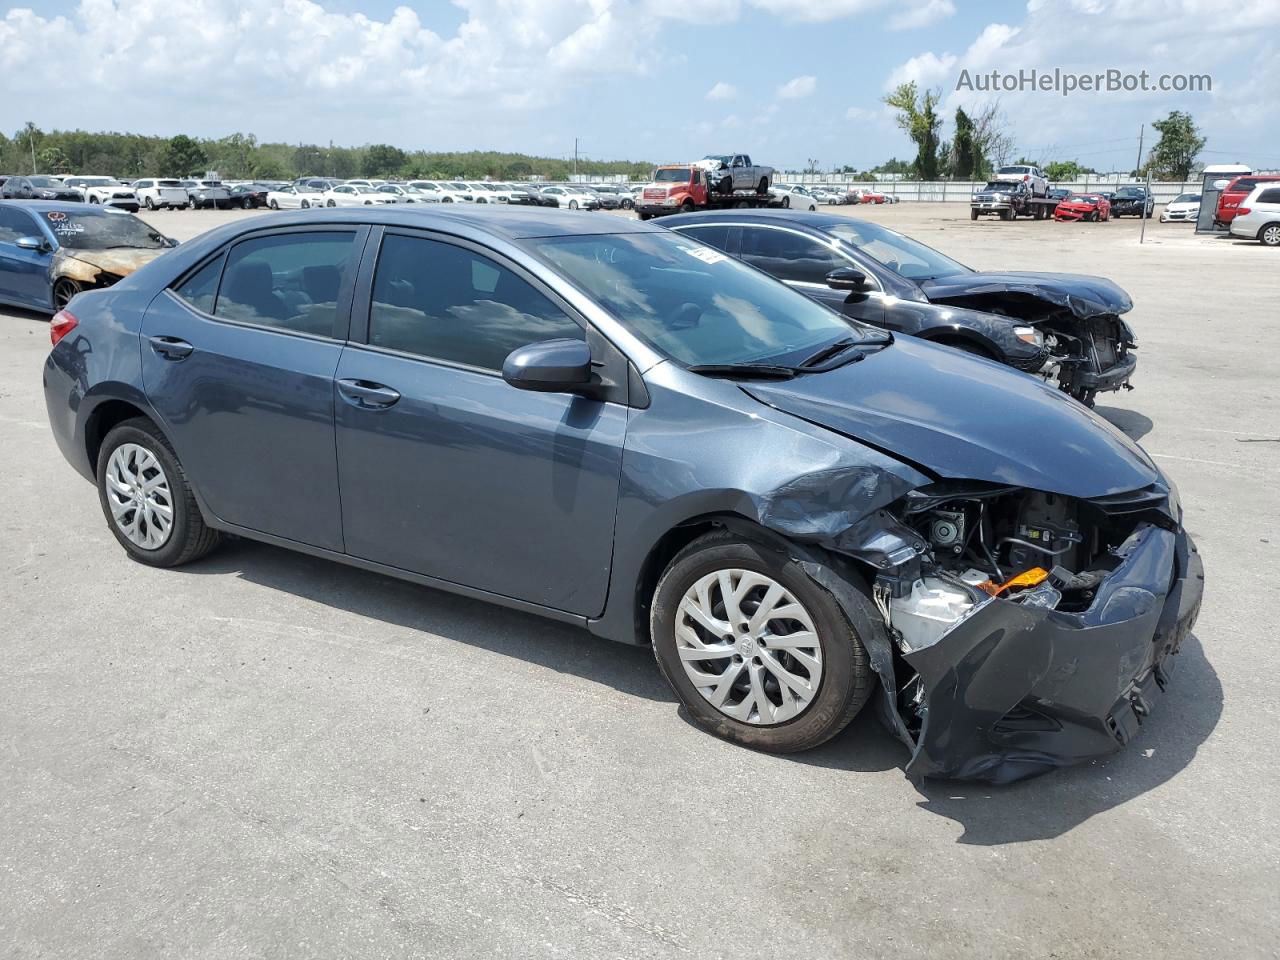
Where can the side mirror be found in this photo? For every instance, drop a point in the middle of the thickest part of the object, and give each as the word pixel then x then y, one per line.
pixel 32 243
pixel 550 366
pixel 846 278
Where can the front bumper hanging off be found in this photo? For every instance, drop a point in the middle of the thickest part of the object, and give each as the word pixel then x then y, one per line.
pixel 1013 691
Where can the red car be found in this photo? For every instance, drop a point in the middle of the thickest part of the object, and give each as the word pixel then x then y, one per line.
pixel 1083 206
pixel 1230 199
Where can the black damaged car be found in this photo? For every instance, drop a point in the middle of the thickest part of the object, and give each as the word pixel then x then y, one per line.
pixel 1133 202
pixel 1065 327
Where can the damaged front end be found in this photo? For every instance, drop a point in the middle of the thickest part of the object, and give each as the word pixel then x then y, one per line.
pixel 1089 345
pixel 1027 630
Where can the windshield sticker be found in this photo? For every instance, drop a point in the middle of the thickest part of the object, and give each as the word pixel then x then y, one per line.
pixel 61 225
pixel 705 254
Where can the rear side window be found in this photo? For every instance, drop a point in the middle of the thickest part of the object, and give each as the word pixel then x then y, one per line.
pixel 1269 196
pixel 200 289
pixel 787 255
pixel 445 302
pixel 290 281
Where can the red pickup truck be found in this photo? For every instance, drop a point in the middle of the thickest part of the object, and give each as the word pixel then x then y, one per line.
pixel 1239 188
pixel 686 187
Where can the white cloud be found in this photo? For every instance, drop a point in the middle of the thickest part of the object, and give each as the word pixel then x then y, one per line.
pixel 861 114
pixel 797 88
pixel 722 91
pixel 817 11
pixel 922 15
pixel 926 70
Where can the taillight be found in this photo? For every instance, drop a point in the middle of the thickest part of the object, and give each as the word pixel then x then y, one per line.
pixel 1242 211
pixel 63 322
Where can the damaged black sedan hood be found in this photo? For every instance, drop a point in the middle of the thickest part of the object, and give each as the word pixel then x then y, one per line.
pixel 1084 296
pixel 958 417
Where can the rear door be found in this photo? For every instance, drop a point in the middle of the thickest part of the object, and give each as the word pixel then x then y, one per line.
pixel 446 469
pixel 238 360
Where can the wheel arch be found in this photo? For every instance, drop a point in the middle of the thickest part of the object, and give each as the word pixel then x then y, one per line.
pixel 107 414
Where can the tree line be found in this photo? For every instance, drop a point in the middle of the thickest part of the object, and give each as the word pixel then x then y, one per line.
pixel 982 142
pixel 241 156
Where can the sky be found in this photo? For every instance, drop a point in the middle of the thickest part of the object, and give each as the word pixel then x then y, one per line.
pixel 787 81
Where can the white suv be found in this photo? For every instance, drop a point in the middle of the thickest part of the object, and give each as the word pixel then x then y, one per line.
pixel 1258 216
pixel 1032 176
pixel 107 191
pixel 155 194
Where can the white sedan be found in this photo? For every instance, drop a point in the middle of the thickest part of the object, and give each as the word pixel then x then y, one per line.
pixel 794 197
pixel 1184 207
pixel 294 198
pixel 104 190
pixel 352 195
pixel 438 190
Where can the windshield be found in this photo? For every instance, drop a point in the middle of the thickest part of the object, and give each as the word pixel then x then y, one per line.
pixel 1004 185
pixel 97 231
pixel 1083 198
pixel 1187 198
pixel 1130 192
pixel 904 256
pixel 671 175
pixel 168 183
pixel 99 182
pixel 45 182
pixel 692 302
pixel 1013 170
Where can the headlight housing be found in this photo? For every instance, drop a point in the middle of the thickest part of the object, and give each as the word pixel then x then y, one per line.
pixel 1029 335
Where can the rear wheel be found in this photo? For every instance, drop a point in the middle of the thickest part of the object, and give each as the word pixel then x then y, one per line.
pixel 1269 236
pixel 763 186
pixel 757 652
pixel 573 204
pixel 147 500
pixel 686 207
pixel 275 204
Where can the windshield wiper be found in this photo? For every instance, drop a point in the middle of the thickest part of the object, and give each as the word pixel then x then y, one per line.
pixel 831 351
pixel 827 352
pixel 756 371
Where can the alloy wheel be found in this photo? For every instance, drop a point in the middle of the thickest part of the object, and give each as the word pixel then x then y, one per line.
pixel 139 496
pixel 749 646
pixel 1271 235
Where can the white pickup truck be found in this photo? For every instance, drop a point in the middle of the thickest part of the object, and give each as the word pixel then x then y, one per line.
pixel 735 171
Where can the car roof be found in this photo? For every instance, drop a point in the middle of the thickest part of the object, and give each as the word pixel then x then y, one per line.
pixel 802 218
pixel 510 223
pixel 66 206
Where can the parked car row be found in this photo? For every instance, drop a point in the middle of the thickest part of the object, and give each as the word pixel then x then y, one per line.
pixel 862 509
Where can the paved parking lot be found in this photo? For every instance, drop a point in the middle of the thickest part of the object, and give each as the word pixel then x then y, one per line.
pixel 268 755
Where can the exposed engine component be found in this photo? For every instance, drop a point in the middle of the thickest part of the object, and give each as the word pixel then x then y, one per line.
pixel 933 607
pixel 946 532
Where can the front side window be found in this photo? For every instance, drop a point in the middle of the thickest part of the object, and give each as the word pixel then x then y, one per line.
pixel 788 255
pixel 445 302
pixel 692 302
pixel 289 280
pixel 15 224
pixel 714 234
pixel 904 256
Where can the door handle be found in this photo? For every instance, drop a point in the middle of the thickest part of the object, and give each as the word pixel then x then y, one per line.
pixel 363 393
pixel 171 348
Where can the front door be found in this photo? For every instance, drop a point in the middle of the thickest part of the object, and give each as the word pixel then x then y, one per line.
pixel 24 273
pixel 447 470
pixel 238 359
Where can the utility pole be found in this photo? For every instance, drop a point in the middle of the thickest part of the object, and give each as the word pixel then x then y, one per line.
pixel 575 158
pixel 1141 130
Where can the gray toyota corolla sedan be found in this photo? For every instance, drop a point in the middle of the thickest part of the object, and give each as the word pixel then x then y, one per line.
pixel 613 425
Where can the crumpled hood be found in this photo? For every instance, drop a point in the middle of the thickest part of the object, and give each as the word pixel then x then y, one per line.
pixel 1084 296
pixel 85 265
pixel 964 418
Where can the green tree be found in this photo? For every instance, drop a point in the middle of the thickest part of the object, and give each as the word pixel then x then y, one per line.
pixel 1065 170
pixel 965 158
pixel 382 159
pixel 183 157
pixel 918 118
pixel 51 159
pixel 1174 155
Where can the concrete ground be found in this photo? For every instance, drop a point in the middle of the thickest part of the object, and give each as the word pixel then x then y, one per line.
pixel 267 755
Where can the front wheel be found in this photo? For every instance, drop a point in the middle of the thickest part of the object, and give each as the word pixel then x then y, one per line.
pixel 147 500
pixel 330 203
pixel 63 291
pixel 786 202
pixel 763 186
pixel 573 204
pixel 147 202
pixel 756 651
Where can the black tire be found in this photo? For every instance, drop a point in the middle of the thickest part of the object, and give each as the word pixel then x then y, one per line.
pixel 275 204
pixel 148 203
pixel 189 539
pixel 644 216
pixel 64 288
pixel 763 186
pixel 786 201
pixel 330 203
pixel 847 679
pixel 726 185
pixel 1269 235
pixel 973 214
pixel 304 205
pixel 686 207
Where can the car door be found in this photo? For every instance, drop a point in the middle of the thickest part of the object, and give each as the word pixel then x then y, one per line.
pixel 802 261
pixel 238 359
pixel 447 470
pixel 24 273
